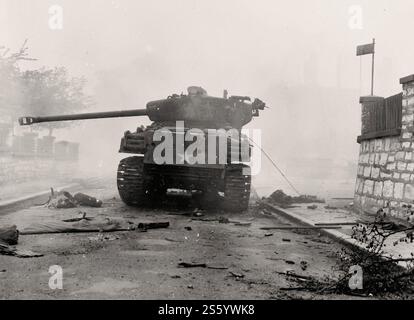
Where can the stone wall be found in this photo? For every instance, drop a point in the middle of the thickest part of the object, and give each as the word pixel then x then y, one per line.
pixel 386 165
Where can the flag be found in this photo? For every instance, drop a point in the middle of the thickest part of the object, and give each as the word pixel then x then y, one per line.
pixel 366 49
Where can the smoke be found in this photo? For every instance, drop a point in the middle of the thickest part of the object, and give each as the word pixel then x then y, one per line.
pixel 297 56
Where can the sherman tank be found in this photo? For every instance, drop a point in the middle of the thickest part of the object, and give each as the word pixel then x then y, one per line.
pixel 194 145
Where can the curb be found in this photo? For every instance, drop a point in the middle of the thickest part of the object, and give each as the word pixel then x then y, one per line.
pixel 331 233
pixel 12 202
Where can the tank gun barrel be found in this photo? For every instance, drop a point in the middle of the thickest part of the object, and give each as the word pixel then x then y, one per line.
pixel 24 121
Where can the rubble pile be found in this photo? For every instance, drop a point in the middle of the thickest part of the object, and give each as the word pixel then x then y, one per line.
pixel 280 198
pixel 64 200
pixel 81 223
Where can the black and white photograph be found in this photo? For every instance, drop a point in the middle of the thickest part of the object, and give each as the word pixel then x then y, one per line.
pixel 229 152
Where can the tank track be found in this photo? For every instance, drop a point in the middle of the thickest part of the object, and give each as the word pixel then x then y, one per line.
pixel 236 188
pixel 130 181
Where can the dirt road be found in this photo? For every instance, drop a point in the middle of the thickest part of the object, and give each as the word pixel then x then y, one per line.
pixel 243 261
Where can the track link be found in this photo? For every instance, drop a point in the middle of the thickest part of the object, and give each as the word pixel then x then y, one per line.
pixel 130 181
pixel 236 188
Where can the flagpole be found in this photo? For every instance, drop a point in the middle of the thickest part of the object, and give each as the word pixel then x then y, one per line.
pixel 372 71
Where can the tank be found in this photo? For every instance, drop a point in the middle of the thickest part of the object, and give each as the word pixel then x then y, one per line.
pixel 194 146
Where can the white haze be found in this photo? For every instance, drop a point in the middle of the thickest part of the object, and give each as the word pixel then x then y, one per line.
pixel 297 56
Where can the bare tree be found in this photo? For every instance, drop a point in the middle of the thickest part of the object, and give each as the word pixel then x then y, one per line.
pixel 40 91
pixel 53 91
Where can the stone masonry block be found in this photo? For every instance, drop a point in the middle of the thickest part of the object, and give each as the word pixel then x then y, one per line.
pixel 368 187
pixel 378 185
pixel 367 172
pixel 388 190
pixel 375 172
pixel 399 191
pixel 409 192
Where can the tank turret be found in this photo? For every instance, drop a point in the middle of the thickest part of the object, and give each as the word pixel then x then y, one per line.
pixel 197 109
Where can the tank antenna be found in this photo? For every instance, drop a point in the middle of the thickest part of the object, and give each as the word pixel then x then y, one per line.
pixel 276 166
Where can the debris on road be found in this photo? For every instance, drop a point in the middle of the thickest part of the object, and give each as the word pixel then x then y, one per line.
pixel 300 227
pixel 152 225
pixel 61 200
pixel 290 262
pixel 280 198
pixel 64 200
pixel 188 228
pixel 88 201
pixel 312 207
pixel 217 267
pixel 192 265
pixel 200 265
pixel 303 265
pixel 20 253
pixel 104 237
pixel 223 220
pixel 9 235
pixel 285 240
pixel 237 275
pixel 82 216
pixel 242 224
pixel 268 234
pixel 336 224
pixel 95 225
pixel 173 240
pixel 294 275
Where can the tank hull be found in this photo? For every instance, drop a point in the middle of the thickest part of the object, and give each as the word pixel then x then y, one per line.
pixel 141 183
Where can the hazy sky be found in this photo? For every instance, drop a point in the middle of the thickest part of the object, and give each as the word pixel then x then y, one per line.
pixel 216 43
pixel 133 51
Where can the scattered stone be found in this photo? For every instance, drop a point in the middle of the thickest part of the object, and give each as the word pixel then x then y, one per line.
pixel 268 234
pixel 313 207
pixel 286 240
pixel 290 262
pixel 303 265
pixel 282 199
pixel 188 228
pixel 223 220
pixel 237 275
